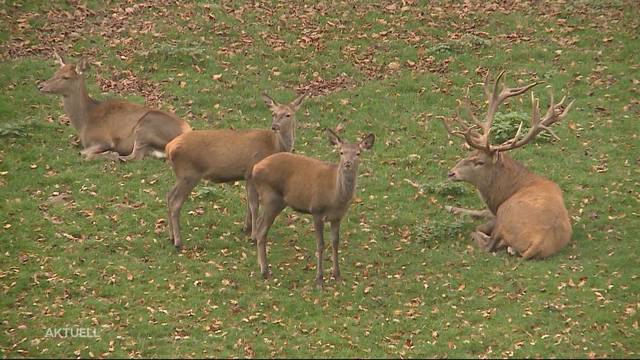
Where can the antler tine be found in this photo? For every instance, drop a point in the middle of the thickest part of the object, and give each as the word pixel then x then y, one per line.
pixel 486 85
pixel 467 106
pixel 449 129
pixel 537 125
pixel 456 133
pixel 477 142
pixel 566 109
pixel 472 138
pixel 462 124
pixel 552 115
pixel 467 134
pixel 496 99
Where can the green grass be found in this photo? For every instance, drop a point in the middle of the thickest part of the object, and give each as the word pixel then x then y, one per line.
pixel 85 244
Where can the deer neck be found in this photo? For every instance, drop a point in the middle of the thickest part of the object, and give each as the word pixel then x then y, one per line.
pixel 77 105
pixel 508 178
pixel 285 138
pixel 346 180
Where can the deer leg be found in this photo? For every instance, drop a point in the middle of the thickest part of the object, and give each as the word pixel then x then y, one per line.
pixel 104 151
pixel 140 149
pixel 246 228
pixel 154 130
pixel 335 238
pixel 476 214
pixel 483 240
pixel 318 224
pixel 483 236
pixel 175 200
pixel 271 208
pixel 487 228
pixel 253 202
pixel 530 253
pixel 170 197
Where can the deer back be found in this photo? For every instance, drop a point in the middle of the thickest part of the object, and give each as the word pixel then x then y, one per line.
pixel 115 119
pixel 220 155
pixel 307 185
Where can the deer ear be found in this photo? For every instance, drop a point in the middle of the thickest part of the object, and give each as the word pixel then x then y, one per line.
pixel 59 58
pixel 334 139
pixel 268 100
pixel 82 66
pixel 367 142
pixel 298 101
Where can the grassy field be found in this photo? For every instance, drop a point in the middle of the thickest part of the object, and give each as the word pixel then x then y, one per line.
pixel 85 244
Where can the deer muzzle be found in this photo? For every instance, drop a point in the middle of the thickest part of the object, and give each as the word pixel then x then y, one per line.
pixel 275 127
pixel 42 87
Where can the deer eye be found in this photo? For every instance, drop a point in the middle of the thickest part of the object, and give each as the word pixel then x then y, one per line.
pixel 358 153
pixel 288 115
pixel 341 152
pixel 478 163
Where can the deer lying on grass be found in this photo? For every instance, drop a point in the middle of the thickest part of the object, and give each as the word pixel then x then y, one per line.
pixel 111 129
pixel 224 156
pixel 309 186
pixel 526 211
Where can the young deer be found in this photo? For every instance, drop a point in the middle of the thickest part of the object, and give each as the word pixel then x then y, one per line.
pixel 111 129
pixel 225 155
pixel 309 186
pixel 526 211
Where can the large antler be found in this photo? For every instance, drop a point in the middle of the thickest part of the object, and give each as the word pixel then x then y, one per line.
pixel 554 114
pixel 480 140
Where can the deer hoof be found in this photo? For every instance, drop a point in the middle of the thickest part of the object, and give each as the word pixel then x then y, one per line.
pixel 319 284
pixel 265 275
pixel 178 247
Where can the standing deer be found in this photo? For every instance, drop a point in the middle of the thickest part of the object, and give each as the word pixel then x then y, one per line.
pixel 526 212
pixel 111 129
pixel 225 155
pixel 309 186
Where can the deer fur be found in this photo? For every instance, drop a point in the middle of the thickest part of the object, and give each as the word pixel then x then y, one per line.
pixel 309 186
pixel 224 156
pixel 526 212
pixel 111 129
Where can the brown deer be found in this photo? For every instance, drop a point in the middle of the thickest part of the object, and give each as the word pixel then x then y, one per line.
pixel 309 186
pixel 526 212
pixel 111 129
pixel 225 155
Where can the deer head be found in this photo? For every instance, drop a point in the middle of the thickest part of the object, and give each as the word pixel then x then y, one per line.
pixel 282 115
pixel 350 152
pixel 67 79
pixel 480 166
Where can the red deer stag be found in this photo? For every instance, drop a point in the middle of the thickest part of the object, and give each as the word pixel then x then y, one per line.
pixel 224 156
pixel 526 211
pixel 111 129
pixel 309 186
